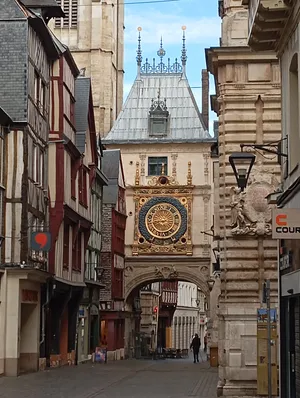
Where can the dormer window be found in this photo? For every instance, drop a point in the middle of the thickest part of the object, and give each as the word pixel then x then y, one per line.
pixel 158 118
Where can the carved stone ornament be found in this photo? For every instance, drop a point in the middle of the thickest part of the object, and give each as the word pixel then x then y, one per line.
pixel 128 270
pixel 166 272
pixel 250 212
pixel 162 181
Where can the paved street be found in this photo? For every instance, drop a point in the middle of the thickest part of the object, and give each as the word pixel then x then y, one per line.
pixel 172 378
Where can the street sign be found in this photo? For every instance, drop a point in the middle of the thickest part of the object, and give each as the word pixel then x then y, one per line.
pixel 41 241
pixel 286 224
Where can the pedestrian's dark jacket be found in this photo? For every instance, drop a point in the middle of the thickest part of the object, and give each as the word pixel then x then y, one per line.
pixel 196 343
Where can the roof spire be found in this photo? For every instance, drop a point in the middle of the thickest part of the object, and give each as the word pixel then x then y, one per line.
pixel 183 51
pixel 139 57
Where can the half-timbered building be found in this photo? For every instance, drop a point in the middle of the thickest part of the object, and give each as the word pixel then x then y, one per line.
pixel 24 94
pixel 90 146
pixel 114 216
pixel 70 224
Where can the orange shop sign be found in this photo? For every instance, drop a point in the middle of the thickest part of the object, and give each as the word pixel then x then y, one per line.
pixel 286 224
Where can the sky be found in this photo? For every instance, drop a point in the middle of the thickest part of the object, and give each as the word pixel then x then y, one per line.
pixel 203 29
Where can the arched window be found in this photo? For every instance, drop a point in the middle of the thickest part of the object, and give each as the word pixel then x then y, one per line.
pixel 293 132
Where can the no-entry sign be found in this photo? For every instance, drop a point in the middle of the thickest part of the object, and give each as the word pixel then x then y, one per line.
pixel 286 224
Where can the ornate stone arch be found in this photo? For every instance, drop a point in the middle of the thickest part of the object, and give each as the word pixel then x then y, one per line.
pixel 137 276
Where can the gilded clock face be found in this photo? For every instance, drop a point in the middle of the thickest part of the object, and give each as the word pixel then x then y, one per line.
pixel 163 220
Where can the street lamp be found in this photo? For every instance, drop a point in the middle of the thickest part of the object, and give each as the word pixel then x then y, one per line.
pixel 241 163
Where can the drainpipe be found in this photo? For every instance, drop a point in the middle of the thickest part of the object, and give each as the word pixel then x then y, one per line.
pixel 48 298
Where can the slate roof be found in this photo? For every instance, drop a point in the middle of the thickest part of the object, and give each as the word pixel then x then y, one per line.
pixel 111 164
pixel 53 8
pixel 111 168
pixel 186 122
pixel 5 119
pixel 82 97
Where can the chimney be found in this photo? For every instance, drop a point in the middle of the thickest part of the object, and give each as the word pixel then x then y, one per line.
pixel 205 97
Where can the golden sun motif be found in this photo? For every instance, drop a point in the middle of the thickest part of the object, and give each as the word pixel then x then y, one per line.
pixel 163 220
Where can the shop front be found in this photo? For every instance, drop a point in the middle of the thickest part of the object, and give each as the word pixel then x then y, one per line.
pixel 89 324
pixel 113 333
pixel 290 318
pixel 286 223
pixel 62 323
pixel 20 302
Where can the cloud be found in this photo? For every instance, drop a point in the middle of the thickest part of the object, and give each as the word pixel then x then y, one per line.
pixel 199 30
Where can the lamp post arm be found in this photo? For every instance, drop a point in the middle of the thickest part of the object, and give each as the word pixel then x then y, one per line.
pixel 266 148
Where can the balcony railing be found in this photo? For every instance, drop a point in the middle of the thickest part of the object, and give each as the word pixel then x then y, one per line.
pixel 266 22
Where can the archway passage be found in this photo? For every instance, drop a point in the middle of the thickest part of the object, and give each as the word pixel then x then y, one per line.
pixel 143 270
pixel 159 324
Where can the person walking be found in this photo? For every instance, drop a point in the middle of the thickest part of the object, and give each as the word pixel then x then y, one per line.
pixel 195 346
pixel 205 343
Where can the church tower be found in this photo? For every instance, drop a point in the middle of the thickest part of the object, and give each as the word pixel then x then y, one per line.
pixel 166 152
pixel 94 33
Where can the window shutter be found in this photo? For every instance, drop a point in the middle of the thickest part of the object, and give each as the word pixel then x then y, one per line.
pixel 74 13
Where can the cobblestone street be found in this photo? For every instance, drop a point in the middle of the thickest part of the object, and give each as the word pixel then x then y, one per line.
pixel 136 379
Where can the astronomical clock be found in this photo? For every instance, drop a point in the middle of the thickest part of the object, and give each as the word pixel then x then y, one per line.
pixel 163 217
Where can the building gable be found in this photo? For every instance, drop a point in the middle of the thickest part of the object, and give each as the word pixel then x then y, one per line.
pixel 160 106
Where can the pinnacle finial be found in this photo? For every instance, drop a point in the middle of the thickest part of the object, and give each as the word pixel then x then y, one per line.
pixel 139 57
pixel 183 51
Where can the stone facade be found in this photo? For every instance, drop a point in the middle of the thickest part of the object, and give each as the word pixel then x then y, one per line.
pixel 94 32
pixel 195 267
pixel 248 105
pixel 189 317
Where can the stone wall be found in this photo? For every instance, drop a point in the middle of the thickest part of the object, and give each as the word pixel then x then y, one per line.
pixel 97 44
pixel 248 104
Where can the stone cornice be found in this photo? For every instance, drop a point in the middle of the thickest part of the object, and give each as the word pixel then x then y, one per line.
pixel 216 56
pixel 163 260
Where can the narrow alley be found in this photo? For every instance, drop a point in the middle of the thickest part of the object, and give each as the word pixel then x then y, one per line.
pixel 169 378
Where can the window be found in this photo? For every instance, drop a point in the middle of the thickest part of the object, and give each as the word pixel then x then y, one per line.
pixel 34 163
pixel 36 87
pixel 76 251
pixel 72 111
pixel 43 98
pixel 157 166
pixel 79 253
pixel 118 283
pixel 66 246
pixel 70 20
pixel 82 182
pixel 73 178
pixel 41 176
pixel 294 137
pixel 158 118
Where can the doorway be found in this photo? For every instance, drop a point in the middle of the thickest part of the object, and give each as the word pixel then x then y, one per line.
pixel 29 338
